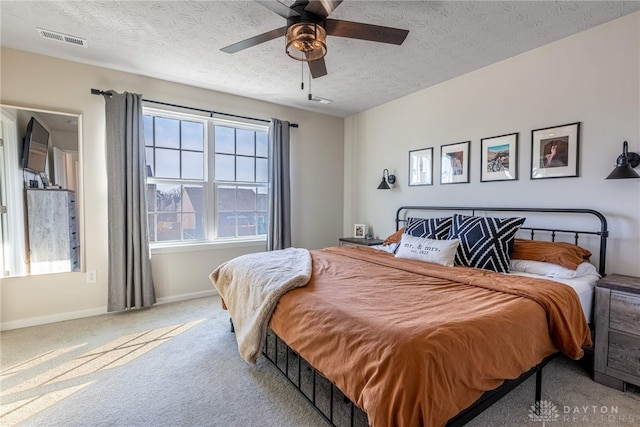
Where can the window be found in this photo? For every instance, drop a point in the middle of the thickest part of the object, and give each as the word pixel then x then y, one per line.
pixel 206 178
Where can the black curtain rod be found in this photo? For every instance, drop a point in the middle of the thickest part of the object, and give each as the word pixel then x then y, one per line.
pixel 210 112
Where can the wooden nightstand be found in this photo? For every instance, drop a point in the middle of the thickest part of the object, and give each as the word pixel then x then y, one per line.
pixel 346 241
pixel 617 317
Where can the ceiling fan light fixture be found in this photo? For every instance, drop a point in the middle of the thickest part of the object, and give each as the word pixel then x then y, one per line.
pixel 306 41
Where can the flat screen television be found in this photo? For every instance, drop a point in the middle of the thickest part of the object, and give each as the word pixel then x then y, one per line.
pixel 35 148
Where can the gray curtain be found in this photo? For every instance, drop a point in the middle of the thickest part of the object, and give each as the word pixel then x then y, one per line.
pixel 130 281
pixel 279 236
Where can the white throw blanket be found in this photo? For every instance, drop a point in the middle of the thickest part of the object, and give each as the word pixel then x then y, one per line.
pixel 251 285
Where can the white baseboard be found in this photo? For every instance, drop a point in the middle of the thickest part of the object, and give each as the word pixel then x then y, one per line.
pixel 53 318
pixel 60 317
pixel 183 297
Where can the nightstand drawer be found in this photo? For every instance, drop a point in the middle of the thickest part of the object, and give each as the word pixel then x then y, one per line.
pixel 625 312
pixel 624 353
pixel 616 359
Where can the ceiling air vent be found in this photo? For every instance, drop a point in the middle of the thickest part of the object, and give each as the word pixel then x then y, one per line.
pixel 64 38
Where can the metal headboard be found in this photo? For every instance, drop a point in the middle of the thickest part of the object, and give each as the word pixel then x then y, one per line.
pixel 603 232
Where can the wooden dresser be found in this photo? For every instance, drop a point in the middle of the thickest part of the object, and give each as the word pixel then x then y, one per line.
pixel 617 341
pixel 53 236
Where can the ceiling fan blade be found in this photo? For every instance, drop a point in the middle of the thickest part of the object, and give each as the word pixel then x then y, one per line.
pixel 255 40
pixel 318 68
pixel 279 8
pixel 357 30
pixel 322 7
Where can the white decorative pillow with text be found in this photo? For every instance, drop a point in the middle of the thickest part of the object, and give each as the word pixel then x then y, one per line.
pixel 441 252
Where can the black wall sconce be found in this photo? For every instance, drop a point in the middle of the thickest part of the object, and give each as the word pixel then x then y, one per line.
pixel 625 164
pixel 391 179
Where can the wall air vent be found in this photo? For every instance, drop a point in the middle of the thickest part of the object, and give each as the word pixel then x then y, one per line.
pixel 64 38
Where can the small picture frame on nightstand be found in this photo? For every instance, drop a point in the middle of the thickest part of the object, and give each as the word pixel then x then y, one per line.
pixel 359 230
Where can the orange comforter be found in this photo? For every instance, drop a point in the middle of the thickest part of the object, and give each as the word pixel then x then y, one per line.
pixel 414 343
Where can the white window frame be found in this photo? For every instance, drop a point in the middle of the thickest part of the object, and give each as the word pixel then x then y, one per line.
pixel 13 221
pixel 210 184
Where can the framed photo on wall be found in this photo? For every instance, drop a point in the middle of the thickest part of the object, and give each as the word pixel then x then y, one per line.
pixel 454 163
pixel 359 230
pixel 554 151
pixel 499 158
pixel 421 167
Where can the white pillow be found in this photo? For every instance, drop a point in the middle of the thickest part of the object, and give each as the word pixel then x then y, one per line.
pixel 441 252
pixel 549 269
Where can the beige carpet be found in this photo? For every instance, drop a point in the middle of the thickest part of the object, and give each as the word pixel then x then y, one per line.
pixel 178 365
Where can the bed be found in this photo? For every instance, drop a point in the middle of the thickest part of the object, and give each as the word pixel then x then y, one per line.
pixel 411 342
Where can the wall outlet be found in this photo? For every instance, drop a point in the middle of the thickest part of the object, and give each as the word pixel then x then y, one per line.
pixel 92 276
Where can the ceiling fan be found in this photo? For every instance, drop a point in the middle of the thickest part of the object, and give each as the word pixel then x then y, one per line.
pixel 307 29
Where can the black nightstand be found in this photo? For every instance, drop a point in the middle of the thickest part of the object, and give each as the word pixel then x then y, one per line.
pixel 346 241
pixel 617 317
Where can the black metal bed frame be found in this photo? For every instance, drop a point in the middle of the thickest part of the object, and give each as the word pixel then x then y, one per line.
pixel 292 365
pixel 603 233
pixel 334 407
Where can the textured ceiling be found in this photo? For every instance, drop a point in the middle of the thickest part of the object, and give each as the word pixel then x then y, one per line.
pixel 180 41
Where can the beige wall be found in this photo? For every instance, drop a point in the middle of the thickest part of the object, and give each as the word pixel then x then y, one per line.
pixel 37 81
pixel 592 78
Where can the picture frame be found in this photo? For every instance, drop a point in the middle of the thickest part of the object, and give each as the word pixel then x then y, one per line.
pixel 554 151
pixel 454 163
pixel 421 167
pixel 359 231
pixel 499 158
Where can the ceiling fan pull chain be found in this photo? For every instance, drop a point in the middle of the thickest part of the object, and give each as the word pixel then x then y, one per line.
pixel 310 96
pixel 301 75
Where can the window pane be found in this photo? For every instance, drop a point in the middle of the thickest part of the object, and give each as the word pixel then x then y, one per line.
pixel 168 227
pixel 148 130
pixel 225 139
pixel 262 148
pixel 148 154
pixel 262 170
pixel 245 169
pixel 168 198
pixel 192 165
pixel 192 227
pixel 193 199
pixel 246 224
pixel 226 198
pixel 167 132
pixel 244 142
pixel 167 163
pixel 225 167
pixel 152 228
pixel 193 219
pixel 192 136
pixel 227 224
pixel 246 200
pixel 262 200
pixel 151 197
pixel 261 223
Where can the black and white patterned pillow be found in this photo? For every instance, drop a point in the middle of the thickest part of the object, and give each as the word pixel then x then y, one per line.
pixel 485 242
pixel 429 228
